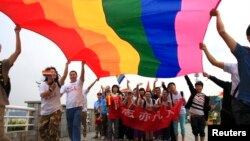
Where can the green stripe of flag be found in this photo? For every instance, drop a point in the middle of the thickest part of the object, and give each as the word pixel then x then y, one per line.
pixel 124 16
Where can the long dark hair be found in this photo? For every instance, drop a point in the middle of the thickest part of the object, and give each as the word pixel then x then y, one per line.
pixel 118 89
pixel 57 76
pixel 248 31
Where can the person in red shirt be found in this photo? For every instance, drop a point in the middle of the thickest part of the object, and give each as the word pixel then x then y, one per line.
pixel 98 124
pixel 129 103
pixel 114 101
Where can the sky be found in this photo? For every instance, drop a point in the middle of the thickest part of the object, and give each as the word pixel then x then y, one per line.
pixel 39 53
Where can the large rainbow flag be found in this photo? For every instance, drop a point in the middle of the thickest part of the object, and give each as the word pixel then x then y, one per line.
pixel 153 38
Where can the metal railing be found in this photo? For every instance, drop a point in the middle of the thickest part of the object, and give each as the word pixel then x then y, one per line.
pixel 18 118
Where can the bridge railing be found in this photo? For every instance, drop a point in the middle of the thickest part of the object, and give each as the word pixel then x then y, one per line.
pixel 22 123
pixel 19 118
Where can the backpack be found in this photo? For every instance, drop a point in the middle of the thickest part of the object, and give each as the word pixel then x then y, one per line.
pixel 6 87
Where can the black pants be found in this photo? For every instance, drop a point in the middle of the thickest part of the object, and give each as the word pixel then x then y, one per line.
pixel 122 129
pixel 172 132
pixel 104 131
pixel 165 133
pixel 130 133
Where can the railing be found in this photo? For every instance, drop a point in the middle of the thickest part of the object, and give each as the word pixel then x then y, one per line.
pixel 18 118
pixel 22 123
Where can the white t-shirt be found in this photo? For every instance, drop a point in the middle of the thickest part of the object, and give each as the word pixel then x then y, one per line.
pixel 51 104
pixel 149 105
pixel 232 68
pixel 176 98
pixel 85 102
pixel 74 94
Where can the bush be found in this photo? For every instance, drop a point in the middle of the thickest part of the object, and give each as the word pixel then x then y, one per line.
pixel 14 122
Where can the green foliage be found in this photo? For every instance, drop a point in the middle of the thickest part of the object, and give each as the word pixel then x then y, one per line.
pixel 214 116
pixel 16 122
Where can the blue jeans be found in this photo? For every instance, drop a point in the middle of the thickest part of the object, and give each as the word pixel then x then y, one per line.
pixel 73 116
pixel 110 129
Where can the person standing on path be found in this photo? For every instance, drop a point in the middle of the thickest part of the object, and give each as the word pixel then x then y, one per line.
pixel 5 85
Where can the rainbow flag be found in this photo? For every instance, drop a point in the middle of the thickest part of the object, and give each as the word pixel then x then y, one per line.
pixel 120 78
pixel 48 72
pixel 219 97
pixel 153 38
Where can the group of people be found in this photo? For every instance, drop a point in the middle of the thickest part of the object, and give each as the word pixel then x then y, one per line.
pixel 51 91
pixel 236 101
pixel 109 101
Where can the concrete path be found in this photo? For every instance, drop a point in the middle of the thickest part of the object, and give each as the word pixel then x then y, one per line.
pixel 189 136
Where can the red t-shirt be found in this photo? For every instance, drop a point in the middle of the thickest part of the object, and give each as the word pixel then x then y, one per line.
pixel 98 121
pixel 114 107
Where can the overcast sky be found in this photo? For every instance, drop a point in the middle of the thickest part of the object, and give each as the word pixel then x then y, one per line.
pixel 39 52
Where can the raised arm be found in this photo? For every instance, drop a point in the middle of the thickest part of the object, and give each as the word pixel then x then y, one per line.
pixel 164 86
pixel 102 89
pixel 210 57
pixel 62 80
pixel 82 72
pixel 137 89
pixel 220 83
pixel 190 85
pixel 128 87
pixel 231 43
pixel 17 52
pixel 155 83
pixel 192 90
pixel 92 84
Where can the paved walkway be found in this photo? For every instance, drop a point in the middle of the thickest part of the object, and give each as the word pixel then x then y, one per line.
pixel 189 135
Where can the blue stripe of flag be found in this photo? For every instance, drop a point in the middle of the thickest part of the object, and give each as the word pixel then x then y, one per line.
pixel 120 78
pixel 158 19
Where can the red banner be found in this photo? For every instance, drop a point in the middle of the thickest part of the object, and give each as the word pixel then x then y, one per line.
pixel 144 120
